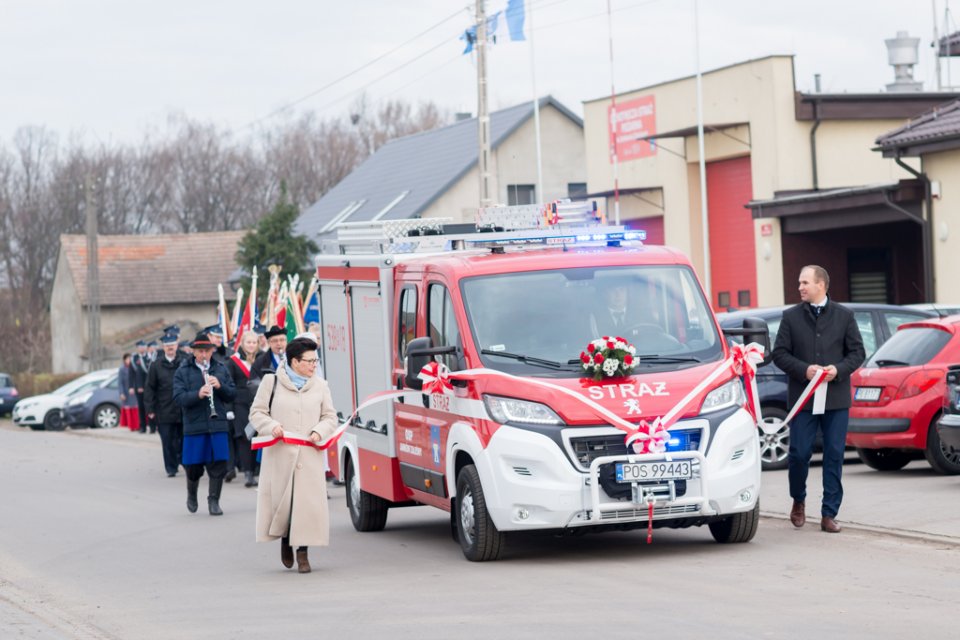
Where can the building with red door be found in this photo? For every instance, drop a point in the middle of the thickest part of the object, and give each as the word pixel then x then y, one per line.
pixel 791 179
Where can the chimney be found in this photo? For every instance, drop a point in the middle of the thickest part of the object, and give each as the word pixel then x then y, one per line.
pixel 460 116
pixel 902 56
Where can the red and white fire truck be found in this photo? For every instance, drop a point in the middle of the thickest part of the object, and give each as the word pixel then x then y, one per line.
pixel 517 297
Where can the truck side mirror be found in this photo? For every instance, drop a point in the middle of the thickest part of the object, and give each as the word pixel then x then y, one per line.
pixel 420 352
pixel 754 330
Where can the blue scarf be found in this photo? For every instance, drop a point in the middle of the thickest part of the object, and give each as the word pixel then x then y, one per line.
pixel 297 380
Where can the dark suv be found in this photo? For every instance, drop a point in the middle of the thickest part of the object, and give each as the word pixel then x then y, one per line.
pixel 8 394
pixel 877 322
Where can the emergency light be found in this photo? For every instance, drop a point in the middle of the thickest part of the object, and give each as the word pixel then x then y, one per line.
pixel 560 223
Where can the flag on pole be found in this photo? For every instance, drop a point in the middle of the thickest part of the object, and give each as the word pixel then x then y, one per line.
pixel 235 318
pixel 249 318
pixel 516 14
pixel 290 318
pixel 222 318
pixel 311 311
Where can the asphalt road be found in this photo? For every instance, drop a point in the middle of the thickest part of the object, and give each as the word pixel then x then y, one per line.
pixel 95 542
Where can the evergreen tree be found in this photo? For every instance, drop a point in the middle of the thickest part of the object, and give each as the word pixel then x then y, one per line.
pixel 273 241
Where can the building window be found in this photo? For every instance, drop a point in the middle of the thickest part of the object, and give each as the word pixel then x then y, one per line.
pixel 576 190
pixel 521 194
pixel 723 299
pixel 743 298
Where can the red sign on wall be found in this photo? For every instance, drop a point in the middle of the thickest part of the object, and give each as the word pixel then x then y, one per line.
pixel 633 121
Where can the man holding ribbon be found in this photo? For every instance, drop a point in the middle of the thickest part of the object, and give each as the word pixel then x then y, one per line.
pixel 818 334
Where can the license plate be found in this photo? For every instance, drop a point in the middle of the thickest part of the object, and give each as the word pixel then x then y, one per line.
pixel 649 471
pixel 868 394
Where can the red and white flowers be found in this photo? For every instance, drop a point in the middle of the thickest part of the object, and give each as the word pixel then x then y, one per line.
pixel 608 357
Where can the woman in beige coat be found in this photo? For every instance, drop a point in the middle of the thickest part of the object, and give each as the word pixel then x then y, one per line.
pixel 292 498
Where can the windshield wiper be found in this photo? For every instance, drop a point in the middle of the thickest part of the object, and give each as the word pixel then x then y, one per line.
pixel 553 364
pixel 656 358
pixel 891 363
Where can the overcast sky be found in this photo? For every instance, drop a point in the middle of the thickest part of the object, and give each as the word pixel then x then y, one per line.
pixel 110 70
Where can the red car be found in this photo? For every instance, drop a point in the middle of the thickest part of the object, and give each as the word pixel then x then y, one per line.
pixel 898 397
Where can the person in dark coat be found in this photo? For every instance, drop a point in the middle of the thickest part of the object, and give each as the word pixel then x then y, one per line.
pixel 161 409
pixel 140 365
pixel 818 334
pixel 240 367
pixel 271 359
pixel 202 388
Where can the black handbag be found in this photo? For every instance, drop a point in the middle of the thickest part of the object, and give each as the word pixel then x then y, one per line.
pixel 250 431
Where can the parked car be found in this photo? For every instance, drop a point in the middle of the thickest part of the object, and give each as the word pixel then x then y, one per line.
pixel 44 411
pixel 97 407
pixel 877 322
pixel 948 427
pixel 898 398
pixel 8 394
pixel 942 310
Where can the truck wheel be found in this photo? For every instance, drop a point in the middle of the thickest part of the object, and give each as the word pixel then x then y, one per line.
pixel 740 527
pixel 940 457
pixel 478 536
pixel 884 459
pixel 774 447
pixel 53 421
pixel 367 511
pixel 106 416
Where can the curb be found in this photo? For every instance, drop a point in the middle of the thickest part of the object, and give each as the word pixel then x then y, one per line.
pixel 907 534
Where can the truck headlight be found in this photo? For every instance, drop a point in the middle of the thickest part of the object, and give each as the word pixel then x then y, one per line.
pixel 505 410
pixel 728 395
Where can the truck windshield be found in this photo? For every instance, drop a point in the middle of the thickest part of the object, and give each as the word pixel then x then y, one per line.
pixel 551 316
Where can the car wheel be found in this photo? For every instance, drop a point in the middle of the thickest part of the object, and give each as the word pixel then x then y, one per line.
pixel 774 442
pixel 940 457
pixel 53 421
pixel 884 459
pixel 740 527
pixel 367 511
pixel 479 537
pixel 106 416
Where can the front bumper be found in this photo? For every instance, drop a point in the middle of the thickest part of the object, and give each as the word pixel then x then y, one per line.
pixel 26 417
pixel 949 430
pixel 534 484
pixel 76 415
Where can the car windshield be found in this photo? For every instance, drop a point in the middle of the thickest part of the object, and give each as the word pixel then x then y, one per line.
pixel 910 347
pixel 540 321
pixel 5 380
pixel 82 383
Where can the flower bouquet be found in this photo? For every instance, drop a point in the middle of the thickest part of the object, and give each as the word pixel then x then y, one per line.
pixel 608 357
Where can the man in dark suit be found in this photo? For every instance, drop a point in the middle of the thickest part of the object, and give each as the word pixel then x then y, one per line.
pixel 141 365
pixel 818 334
pixel 161 409
pixel 272 358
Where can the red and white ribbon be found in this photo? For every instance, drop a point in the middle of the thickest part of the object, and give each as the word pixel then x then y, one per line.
pixel 815 386
pixel 436 379
pixel 746 359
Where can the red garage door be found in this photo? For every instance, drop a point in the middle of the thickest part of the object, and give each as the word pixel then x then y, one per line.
pixel 652 225
pixel 733 266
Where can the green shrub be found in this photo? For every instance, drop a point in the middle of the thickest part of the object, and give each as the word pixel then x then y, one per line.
pixel 34 384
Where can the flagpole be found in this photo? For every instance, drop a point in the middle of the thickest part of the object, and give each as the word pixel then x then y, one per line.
pixel 704 218
pixel 536 107
pixel 613 124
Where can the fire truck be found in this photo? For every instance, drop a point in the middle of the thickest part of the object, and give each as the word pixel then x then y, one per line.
pixel 517 296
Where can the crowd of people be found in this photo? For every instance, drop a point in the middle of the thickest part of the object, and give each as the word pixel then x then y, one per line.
pixel 203 398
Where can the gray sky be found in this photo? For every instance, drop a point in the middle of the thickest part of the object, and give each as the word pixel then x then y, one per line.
pixel 110 70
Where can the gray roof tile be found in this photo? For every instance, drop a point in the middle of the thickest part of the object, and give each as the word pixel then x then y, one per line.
pixel 423 165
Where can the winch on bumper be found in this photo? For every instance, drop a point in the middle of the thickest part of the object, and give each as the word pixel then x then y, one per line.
pixel 549 487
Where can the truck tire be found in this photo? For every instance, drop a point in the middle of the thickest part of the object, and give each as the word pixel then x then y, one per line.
pixel 774 447
pixel 367 511
pixel 740 527
pixel 942 460
pixel 478 536
pixel 884 459
pixel 53 421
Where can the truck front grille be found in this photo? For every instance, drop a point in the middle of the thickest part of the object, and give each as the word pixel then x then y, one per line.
pixel 586 449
